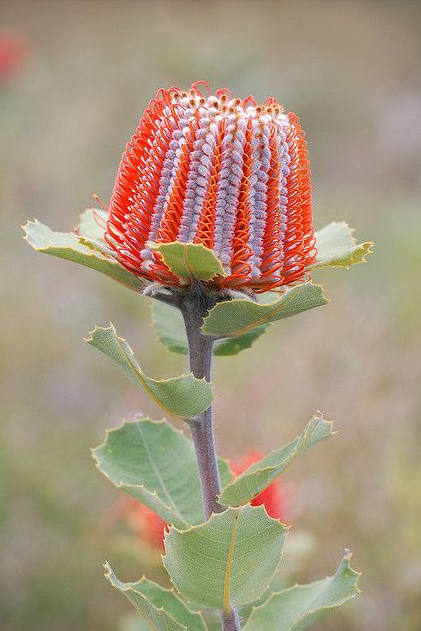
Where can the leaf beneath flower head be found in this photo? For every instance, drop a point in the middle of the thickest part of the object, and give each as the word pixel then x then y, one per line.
pixel 260 474
pixel 183 396
pixel 189 260
pixel 66 245
pixel 337 247
pixel 156 464
pixel 92 223
pixel 296 608
pixel 228 561
pixel 170 330
pixel 160 607
pixel 237 317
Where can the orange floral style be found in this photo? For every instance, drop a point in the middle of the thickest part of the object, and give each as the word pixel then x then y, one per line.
pixel 224 172
pixel 149 527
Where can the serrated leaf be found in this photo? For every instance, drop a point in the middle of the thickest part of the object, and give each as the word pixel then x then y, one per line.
pixel 92 224
pixel 66 245
pixel 190 260
pixel 337 247
pixel 156 464
pixel 183 396
pixel 160 607
pixel 170 330
pixel 262 473
pixel 228 561
pixel 237 317
pixel 297 608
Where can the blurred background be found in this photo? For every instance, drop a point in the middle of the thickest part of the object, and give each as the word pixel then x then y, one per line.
pixel 74 79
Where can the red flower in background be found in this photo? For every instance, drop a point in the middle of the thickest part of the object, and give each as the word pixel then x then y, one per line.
pixel 273 498
pixel 149 527
pixel 221 171
pixel 12 54
pixel 141 519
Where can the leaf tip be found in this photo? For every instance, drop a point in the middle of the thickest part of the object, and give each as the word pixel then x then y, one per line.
pixel 346 563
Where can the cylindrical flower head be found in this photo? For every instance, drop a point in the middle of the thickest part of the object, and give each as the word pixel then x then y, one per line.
pixel 220 171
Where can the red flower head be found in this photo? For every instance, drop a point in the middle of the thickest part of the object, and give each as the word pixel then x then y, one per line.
pixel 220 171
pixel 272 498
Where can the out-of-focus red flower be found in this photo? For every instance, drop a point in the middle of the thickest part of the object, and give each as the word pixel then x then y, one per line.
pixel 149 527
pixel 12 54
pixel 145 524
pixel 273 498
pixel 221 171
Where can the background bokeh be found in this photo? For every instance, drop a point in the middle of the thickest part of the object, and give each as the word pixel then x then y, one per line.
pixel 351 70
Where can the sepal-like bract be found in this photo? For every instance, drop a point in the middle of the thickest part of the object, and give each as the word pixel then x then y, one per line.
pixel 236 317
pixel 337 246
pixel 67 245
pixel 191 261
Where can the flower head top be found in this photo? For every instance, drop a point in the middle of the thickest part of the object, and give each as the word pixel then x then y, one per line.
pixel 220 171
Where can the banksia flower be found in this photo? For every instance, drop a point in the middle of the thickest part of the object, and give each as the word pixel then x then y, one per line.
pixel 222 172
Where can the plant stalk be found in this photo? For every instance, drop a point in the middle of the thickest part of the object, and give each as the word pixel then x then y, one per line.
pixel 231 622
pixel 194 307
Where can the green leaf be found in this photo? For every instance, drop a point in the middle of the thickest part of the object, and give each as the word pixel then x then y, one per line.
pixel 160 607
pixel 228 561
pixel 169 328
pixel 296 608
pixel 260 474
pixel 92 223
pixel 237 317
pixel 156 464
pixel 234 345
pixel 189 260
pixel 183 396
pixel 66 245
pixel 337 247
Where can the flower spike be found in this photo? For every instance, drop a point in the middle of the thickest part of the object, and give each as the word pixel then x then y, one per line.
pixel 223 172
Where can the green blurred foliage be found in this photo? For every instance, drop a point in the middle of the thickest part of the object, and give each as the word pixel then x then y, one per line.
pixel 351 71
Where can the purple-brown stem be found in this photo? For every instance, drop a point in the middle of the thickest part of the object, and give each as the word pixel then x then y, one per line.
pixel 231 621
pixel 194 307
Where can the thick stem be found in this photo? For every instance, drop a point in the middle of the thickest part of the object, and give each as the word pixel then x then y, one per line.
pixel 231 622
pixel 194 306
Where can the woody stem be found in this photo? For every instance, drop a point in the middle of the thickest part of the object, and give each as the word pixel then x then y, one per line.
pixel 194 307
